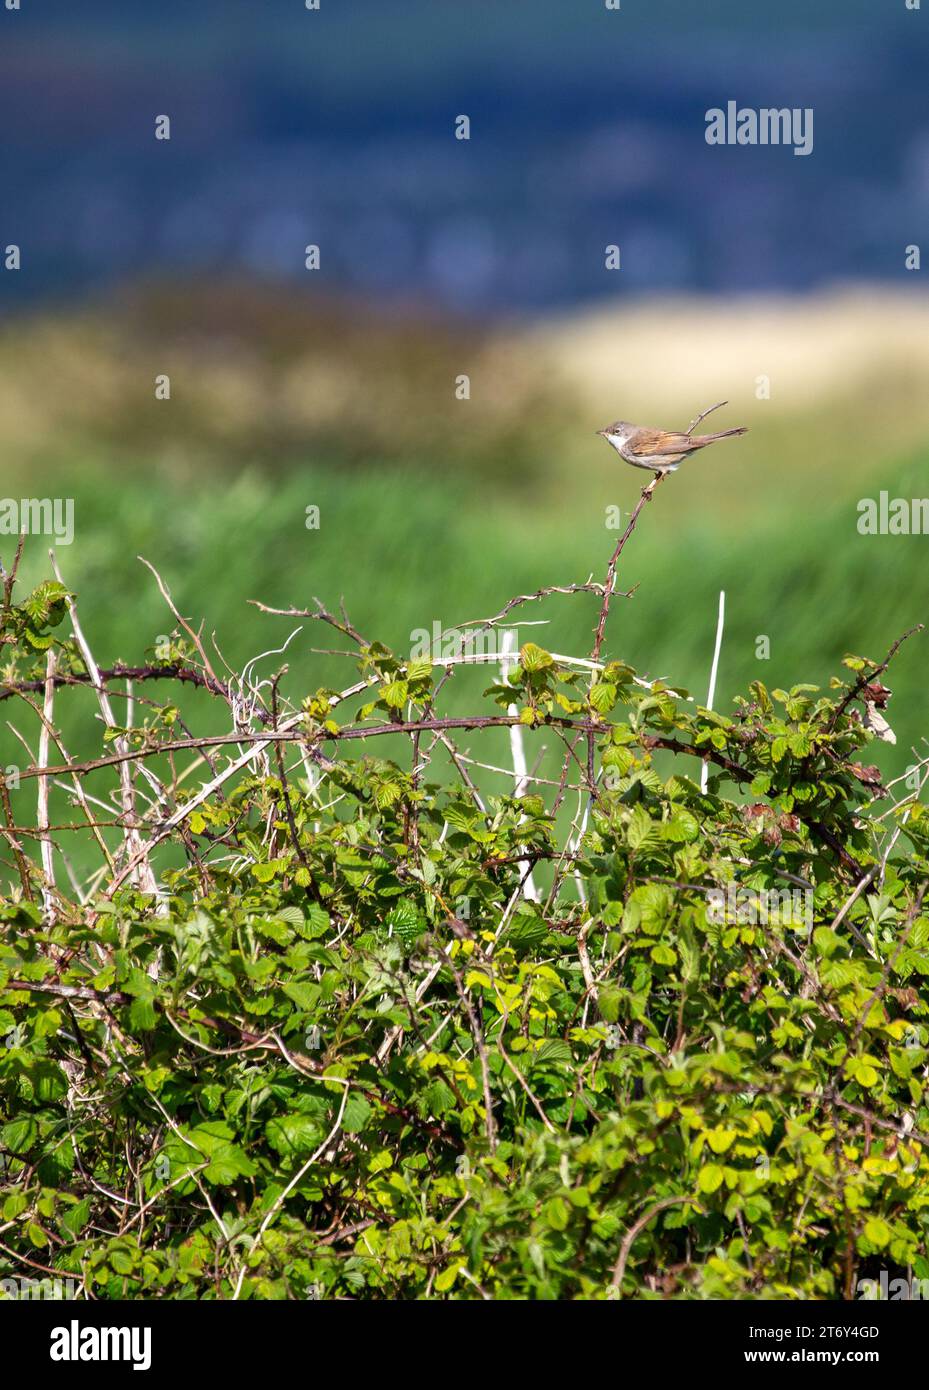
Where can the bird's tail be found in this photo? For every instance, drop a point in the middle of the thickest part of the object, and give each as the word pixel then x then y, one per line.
pixel 723 434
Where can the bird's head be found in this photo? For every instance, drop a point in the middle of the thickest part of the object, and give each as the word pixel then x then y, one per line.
pixel 617 433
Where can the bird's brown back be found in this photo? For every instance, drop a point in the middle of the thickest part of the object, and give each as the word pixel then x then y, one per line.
pixel 657 443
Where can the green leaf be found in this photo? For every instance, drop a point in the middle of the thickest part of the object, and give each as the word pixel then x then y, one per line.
pixel 603 697
pixel 227 1163
pixel 609 1002
pixel 642 831
pixel 720 1140
pixel 17 1202
pixel 269 870
pixel 19 1135
pixel 533 658
pixel 710 1177
pixel 75 1219
pixel 438 1099
pixel 553 1052
pixel 293 1135
pixel 447 1278
pixel 395 694
pixel 142 1016
pixel 49 1081
pixel 877 1232
pixel 357 1113
pixel 682 826
pixel 36 1235
pixel 303 994
pixel 557 1214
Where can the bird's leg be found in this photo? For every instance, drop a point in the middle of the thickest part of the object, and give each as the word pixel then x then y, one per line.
pixel 647 491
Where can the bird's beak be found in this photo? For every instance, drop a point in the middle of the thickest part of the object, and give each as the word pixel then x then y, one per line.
pixel 601 431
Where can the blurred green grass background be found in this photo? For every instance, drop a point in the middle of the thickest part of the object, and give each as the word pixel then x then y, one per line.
pixel 438 510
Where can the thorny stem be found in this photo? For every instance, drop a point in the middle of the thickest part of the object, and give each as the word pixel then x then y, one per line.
pixel 614 560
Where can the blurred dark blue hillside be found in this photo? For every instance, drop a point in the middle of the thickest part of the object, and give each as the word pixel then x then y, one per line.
pixel 335 127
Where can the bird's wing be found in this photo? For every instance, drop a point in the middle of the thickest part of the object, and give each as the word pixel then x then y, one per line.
pixel 657 443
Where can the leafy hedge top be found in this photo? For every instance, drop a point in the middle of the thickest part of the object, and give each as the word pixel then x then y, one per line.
pixel 337 1050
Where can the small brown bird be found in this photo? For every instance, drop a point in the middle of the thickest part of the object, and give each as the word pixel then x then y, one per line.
pixel 660 451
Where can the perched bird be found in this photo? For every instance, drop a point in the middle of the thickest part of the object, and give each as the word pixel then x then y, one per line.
pixel 660 451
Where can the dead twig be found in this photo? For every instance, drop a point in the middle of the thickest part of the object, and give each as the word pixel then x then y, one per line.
pixel 619 1269
pixel 703 414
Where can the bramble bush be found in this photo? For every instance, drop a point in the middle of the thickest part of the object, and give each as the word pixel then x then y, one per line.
pixel 332 1022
